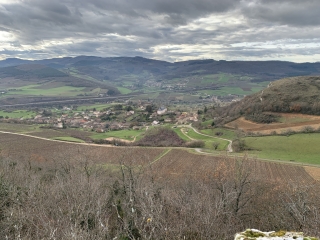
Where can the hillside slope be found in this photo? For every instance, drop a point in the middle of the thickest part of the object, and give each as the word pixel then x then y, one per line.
pixel 144 69
pixel 28 74
pixel 289 95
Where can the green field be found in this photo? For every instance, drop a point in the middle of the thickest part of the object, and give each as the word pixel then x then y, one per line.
pixel 180 134
pixel 18 114
pixel 69 139
pixel 227 134
pixel 18 128
pixel 34 90
pixel 217 78
pixel 98 107
pixel 124 90
pixel 129 135
pixel 208 140
pixel 299 147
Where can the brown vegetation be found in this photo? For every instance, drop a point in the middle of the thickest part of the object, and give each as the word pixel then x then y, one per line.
pixel 160 137
pixel 64 191
pixel 77 199
pixel 24 148
pixel 182 163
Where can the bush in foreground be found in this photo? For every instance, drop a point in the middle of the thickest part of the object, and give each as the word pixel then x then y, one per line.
pixel 81 200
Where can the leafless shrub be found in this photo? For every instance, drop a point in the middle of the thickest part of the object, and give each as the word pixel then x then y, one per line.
pixel 77 199
pixel 288 132
pixel 308 129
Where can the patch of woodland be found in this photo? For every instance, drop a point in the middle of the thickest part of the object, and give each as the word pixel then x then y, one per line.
pixel 160 137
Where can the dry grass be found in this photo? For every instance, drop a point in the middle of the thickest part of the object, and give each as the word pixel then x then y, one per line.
pixel 314 172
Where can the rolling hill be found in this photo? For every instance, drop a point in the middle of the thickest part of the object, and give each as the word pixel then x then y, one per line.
pixel 137 75
pixel 289 95
pixel 140 69
pixel 120 66
pixel 29 80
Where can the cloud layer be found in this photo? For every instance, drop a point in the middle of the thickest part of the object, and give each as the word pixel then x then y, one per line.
pixel 161 29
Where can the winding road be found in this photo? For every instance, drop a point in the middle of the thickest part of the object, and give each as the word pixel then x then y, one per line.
pixel 189 126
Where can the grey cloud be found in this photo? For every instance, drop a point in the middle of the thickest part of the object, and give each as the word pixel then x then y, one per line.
pixel 130 28
pixel 288 12
pixel 190 8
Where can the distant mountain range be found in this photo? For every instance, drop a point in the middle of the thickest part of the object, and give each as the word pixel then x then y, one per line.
pixel 113 68
pixel 187 81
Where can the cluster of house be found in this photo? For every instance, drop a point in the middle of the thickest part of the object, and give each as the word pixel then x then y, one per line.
pixel 85 120
pixel 93 120
pixel 167 86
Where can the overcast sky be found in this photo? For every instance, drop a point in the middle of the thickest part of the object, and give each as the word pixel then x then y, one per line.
pixel 171 30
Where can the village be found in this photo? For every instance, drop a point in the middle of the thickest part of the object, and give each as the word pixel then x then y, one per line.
pixel 114 117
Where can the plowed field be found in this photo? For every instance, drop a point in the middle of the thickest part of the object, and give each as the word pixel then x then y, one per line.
pixel 180 162
pixel 27 148
pixel 175 163
pixel 291 121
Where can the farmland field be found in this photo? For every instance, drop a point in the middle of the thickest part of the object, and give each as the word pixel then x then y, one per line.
pixel 58 91
pixel 18 114
pixel 175 163
pixel 48 133
pixel 124 90
pixel 288 121
pixel 32 149
pixel 298 147
pixel 98 107
pixel 180 162
pixel 18 127
pixel 314 172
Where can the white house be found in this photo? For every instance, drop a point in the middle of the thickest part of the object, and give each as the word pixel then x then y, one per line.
pixel 162 110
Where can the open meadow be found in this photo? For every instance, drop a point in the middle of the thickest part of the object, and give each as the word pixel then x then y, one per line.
pixel 220 132
pixel 302 148
pixel 210 141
